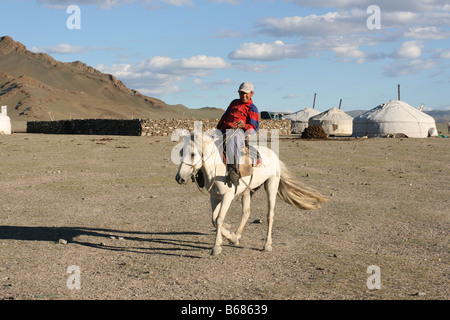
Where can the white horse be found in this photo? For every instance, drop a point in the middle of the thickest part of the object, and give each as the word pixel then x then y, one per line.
pixel 203 152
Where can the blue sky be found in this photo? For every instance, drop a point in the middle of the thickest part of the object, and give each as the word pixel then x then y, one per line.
pixel 197 53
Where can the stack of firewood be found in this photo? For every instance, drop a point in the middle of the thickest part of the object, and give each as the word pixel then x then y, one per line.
pixel 314 132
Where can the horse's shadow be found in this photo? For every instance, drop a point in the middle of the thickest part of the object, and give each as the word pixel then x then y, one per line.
pixel 177 243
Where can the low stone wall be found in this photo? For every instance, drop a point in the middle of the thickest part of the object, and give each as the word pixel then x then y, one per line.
pixel 137 127
pixel 165 127
pixel 87 126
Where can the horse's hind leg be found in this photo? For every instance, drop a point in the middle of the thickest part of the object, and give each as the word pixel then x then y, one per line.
pixel 245 215
pixel 271 190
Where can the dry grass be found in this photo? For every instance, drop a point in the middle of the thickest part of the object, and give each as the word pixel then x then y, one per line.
pixel 136 234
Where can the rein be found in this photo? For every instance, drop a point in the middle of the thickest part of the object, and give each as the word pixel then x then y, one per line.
pixel 195 171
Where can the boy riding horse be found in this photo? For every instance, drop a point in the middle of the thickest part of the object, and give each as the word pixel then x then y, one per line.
pixel 239 120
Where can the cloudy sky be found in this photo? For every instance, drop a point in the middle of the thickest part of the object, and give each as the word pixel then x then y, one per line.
pixel 198 52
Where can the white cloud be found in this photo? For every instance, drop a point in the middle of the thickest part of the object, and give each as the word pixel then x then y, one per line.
pixel 158 4
pixel 349 52
pixel 445 54
pixel 103 4
pixel 66 48
pixel 290 96
pixel 267 51
pixel 255 67
pixel 144 81
pixel 350 17
pixel 63 48
pixel 331 23
pixel 232 2
pixel 409 50
pixel 226 81
pixel 213 84
pixel 433 33
pixel 159 75
pixel 109 4
pixel 399 19
pixel 179 3
pixel 197 66
pixel 345 34
pixel 355 22
pixel 385 5
pixel 228 33
pixel 344 48
pixel 202 62
pixel 159 89
pixel 396 69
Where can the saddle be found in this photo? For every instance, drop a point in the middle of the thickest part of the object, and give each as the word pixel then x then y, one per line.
pixel 252 158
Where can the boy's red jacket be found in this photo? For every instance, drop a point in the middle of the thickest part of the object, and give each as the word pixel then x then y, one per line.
pixel 238 110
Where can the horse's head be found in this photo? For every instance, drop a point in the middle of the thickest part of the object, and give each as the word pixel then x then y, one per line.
pixel 196 151
pixel 190 158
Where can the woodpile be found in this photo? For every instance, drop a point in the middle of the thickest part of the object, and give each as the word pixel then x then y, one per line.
pixel 138 127
pixel 314 132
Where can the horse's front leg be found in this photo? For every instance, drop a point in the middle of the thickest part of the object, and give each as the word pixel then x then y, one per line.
pixel 245 214
pixel 215 206
pixel 224 206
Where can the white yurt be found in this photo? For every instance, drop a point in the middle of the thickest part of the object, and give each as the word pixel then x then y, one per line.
pixel 299 119
pixel 393 117
pixel 5 121
pixel 334 122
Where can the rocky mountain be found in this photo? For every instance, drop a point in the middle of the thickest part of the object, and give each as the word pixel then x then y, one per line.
pixel 35 86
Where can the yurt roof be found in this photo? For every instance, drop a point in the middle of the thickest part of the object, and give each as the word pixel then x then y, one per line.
pixel 332 114
pixel 302 115
pixel 394 111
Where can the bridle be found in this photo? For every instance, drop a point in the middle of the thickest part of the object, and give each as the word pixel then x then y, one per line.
pixel 194 175
pixel 195 171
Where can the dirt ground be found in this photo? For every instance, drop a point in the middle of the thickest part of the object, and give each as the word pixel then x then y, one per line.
pixel 110 206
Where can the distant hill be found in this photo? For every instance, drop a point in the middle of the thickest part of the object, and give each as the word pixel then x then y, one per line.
pixel 439 115
pixel 355 113
pixel 35 86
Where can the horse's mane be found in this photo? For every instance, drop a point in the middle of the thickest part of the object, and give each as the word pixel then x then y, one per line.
pixel 208 134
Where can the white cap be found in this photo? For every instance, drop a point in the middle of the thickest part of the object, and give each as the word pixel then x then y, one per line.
pixel 246 87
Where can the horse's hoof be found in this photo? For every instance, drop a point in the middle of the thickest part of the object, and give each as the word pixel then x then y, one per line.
pixel 267 248
pixel 234 239
pixel 238 238
pixel 216 251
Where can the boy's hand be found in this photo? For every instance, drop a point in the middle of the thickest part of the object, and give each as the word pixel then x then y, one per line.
pixel 240 124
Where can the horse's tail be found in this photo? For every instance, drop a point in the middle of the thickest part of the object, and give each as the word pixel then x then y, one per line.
pixel 290 191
